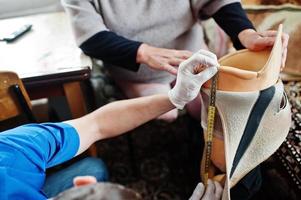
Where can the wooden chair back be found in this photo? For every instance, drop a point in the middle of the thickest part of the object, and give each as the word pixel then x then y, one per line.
pixel 14 99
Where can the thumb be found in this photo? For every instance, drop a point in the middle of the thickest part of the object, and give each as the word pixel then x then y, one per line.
pixel 206 74
pixel 84 180
pixel 198 192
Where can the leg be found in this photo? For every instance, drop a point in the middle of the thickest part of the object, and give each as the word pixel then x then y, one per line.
pixel 134 90
pixel 75 99
pixel 63 179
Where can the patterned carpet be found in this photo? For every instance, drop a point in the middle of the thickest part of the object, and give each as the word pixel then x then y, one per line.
pixel 167 163
pixel 163 163
pixel 163 158
pixel 290 151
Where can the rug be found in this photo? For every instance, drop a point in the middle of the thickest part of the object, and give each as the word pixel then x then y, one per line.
pixel 290 151
pixel 161 160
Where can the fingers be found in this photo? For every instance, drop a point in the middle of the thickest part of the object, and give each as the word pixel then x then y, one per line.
pixel 210 189
pixel 285 39
pixel 172 53
pixel 268 33
pixel 84 180
pixel 268 39
pixel 200 67
pixel 175 61
pixel 213 191
pixel 207 74
pixel 204 59
pixel 207 53
pixel 263 42
pixel 284 55
pixel 218 190
pixel 182 54
pixel 198 192
pixel 168 68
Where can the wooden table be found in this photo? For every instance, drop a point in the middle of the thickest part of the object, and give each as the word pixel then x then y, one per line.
pixel 47 58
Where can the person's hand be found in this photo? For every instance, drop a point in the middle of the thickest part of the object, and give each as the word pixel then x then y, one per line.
pixel 213 191
pixel 83 180
pixel 192 74
pixel 160 58
pixel 257 41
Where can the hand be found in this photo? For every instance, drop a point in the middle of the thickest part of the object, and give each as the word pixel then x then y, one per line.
pixel 161 59
pixel 191 77
pixel 84 180
pixel 213 191
pixel 257 41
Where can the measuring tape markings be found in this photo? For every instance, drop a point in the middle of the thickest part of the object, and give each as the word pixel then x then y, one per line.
pixel 210 128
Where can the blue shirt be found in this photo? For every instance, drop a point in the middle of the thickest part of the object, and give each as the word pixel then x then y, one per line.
pixel 27 151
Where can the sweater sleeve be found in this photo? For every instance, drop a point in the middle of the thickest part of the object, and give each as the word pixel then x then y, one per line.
pixel 84 18
pixel 232 19
pixel 112 48
pixel 204 9
pixel 95 39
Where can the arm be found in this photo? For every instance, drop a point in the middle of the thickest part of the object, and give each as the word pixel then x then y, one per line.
pixel 117 50
pixel 122 116
pixel 233 20
pixel 119 117
pixel 95 40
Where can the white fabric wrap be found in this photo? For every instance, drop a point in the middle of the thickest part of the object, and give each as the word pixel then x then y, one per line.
pixel 234 109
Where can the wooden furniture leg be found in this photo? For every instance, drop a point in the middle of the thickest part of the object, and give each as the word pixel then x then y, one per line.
pixel 77 105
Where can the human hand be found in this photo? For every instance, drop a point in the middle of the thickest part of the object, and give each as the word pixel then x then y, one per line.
pixel 257 41
pixel 161 59
pixel 213 191
pixel 84 180
pixel 192 74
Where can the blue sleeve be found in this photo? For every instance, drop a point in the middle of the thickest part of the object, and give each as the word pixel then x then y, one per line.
pixel 26 152
pixel 46 145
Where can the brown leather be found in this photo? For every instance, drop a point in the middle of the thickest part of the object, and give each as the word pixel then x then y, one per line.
pixel 244 70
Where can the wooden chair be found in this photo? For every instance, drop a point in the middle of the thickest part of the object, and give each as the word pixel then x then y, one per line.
pixel 14 99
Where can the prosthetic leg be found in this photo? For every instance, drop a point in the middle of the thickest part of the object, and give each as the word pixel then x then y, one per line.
pixel 252 115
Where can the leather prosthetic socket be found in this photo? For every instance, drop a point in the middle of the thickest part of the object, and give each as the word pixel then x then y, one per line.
pixel 253 114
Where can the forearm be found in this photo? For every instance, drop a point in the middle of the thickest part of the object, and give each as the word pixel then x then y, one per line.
pixel 113 49
pixel 233 20
pixel 119 117
pixel 123 116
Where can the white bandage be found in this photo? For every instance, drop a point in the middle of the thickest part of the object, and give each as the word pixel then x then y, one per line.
pixel 188 83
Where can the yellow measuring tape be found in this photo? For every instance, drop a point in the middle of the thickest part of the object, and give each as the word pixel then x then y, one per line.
pixel 209 134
